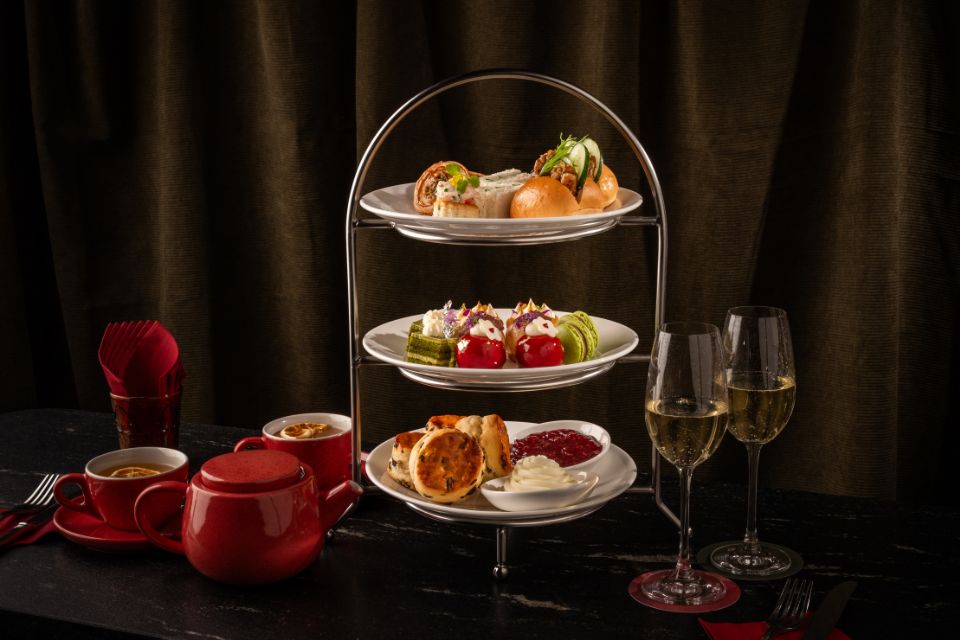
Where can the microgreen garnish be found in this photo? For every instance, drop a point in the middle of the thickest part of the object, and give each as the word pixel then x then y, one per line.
pixel 460 180
pixel 562 151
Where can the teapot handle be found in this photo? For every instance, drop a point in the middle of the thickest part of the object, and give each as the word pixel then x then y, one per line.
pixel 253 442
pixel 147 527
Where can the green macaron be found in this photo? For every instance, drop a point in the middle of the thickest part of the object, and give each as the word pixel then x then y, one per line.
pixel 586 330
pixel 588 321
pixel 573 342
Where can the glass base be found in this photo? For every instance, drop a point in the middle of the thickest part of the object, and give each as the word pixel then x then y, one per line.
pixel 664 587
pixel 763 560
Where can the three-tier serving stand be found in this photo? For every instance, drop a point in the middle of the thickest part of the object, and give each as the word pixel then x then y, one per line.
pixel 585 226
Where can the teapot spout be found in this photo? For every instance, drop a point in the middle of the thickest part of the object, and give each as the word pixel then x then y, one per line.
pixel 335 502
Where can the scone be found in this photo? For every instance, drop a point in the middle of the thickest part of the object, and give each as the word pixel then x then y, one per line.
pixel 446 465
pixel 442 422
pixel 399 466
pixel 496 447
pixel 470 425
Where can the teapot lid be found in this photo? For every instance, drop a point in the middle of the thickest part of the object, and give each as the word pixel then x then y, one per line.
pixel 254 471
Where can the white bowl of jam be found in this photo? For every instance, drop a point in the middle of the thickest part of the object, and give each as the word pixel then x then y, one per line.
pixel 573 444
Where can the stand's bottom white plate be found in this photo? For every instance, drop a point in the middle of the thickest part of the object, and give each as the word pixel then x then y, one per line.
pixel 617 472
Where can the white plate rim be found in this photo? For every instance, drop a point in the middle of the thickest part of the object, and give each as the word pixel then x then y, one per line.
pixel 613 482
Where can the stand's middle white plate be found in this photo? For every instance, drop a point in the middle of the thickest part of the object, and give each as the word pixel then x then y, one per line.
pixel 388 342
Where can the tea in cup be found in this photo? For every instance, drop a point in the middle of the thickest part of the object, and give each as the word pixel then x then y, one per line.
pixel 110 484
pixel 321 440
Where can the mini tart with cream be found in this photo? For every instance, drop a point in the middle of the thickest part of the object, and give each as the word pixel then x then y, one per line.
pixel 457 196
pixel 425 189
pixel 524 314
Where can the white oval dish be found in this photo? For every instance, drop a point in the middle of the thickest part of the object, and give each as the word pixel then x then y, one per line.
pixel 540 499
pixel 586 428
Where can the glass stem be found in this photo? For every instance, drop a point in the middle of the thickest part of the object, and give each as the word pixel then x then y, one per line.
pixel 684 572
pixel 750 539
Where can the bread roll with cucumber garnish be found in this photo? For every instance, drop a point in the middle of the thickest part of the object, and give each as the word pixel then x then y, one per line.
pixel 571 179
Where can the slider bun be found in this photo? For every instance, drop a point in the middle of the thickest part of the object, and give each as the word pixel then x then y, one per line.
pixel 544 197
pixel 591 197
pixel 608 185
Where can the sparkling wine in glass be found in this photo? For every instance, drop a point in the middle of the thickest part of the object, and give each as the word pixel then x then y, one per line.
pixel 686 416
pixel 762 386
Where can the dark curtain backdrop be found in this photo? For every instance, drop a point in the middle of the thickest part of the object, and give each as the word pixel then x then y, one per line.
pixel 191 161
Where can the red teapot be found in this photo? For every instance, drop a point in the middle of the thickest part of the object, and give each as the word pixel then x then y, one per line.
pixel 250 517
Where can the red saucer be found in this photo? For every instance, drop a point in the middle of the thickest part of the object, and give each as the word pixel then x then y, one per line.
pixel 92 532
pixel 730 596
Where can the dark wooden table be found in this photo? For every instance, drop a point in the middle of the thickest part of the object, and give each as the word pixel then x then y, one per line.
pixel 392 573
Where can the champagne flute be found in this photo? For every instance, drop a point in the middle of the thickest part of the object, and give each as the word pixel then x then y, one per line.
pixel 686 415
pixel 762 384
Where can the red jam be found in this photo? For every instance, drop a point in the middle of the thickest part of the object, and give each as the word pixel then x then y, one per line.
pixel 565 446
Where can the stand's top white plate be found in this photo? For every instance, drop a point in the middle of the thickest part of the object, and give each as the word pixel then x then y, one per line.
pixel 395 204
pixel 617 472
pixel 388 342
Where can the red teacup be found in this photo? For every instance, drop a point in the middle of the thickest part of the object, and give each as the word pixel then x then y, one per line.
pixel 328 455
pixel 111 499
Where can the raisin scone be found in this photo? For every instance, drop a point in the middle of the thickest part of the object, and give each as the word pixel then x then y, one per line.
pixel 442 422
pixel 399 466
pixel 446 465
pixel 470 425
pixel 496 447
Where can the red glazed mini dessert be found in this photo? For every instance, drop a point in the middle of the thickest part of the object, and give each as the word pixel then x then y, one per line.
pixel 481 338
pixel 539 345
pixel 481 347
pixel 523 315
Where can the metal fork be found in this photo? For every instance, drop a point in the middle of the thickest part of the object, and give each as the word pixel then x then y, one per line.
pixel 791 609
pixel 41 496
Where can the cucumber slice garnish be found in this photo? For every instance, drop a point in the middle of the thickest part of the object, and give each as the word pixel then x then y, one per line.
pixel 594 150
pixel 579 159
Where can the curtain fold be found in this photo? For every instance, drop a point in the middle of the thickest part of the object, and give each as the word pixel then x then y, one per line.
pixel 190 162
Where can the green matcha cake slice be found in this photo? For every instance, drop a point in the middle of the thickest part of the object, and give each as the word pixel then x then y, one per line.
pixel 439 352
